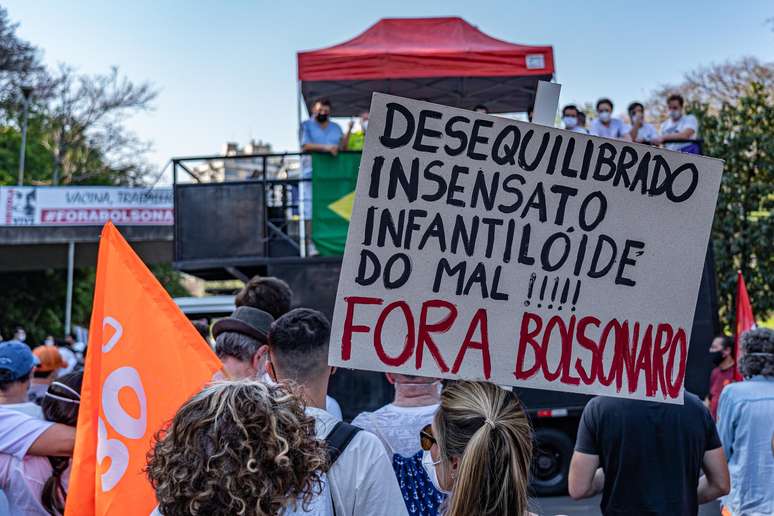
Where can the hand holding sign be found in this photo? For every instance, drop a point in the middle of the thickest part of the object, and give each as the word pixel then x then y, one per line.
pixel 486 248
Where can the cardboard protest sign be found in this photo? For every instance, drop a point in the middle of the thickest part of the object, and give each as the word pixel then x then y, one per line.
pixel 485 248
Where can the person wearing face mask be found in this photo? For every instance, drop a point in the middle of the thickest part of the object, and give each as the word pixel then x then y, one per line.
pixel 318 134
pixel 478 450
pixel 721 353
pixel 398 425
pixel 606 125
pixel 641 131
pixel 570 119
pixel 678 126
pixel 19 334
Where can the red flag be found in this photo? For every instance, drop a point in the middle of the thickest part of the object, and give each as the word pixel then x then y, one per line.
pixel 145 360
pixel 745 320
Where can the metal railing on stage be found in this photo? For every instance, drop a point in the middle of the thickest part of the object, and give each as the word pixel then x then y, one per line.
pixel 285 194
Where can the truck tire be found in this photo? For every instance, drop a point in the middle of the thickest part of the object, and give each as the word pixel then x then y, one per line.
pixel 550 462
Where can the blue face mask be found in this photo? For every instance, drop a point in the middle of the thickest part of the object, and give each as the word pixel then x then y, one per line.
pixel 570 122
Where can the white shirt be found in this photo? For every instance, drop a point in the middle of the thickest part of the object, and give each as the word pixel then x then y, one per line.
pixel 670 126
pixel 397 427
pixel 362 480
pixel 28 407
pixel 23 480
pixel 19 431
pixel 646 133
pixel 615 129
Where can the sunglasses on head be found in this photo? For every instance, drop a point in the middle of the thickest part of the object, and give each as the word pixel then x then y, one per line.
pixel 426 438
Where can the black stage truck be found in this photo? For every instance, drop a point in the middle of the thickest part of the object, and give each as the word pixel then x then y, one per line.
pixel 236 229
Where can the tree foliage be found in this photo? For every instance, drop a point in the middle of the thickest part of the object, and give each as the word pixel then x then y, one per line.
pixel 36 299
pixel 741 132
pixel 19 63
pixel 76 134
pixel 715 85
pixel 85 130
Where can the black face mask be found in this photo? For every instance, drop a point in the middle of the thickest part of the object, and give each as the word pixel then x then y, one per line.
pixel 717 357
pixel 322 117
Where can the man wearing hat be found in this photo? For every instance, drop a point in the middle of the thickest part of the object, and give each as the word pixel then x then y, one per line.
pixel 50 361
pixel 16 364
pixel 241 341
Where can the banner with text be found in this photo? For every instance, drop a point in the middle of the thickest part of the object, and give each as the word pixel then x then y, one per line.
pixel 486 248
pixel 85 206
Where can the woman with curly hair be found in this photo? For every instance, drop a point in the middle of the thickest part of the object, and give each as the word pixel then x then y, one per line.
pixel 238 447
pixel 478 450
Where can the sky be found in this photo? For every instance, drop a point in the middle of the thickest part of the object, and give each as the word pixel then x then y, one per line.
pixel 226 70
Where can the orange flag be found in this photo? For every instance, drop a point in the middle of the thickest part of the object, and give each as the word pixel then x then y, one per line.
pixel 144 360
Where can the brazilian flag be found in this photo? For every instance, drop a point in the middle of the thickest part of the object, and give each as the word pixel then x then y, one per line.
pixel 333 191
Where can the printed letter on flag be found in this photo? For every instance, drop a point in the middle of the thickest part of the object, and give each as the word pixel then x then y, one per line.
pixel 145 359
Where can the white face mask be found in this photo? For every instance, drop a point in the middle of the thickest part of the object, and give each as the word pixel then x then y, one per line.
pixel 604 116
pixel 429 466
pixel 21 336
pixel 364 124
pixel 675 114
pixel 570 122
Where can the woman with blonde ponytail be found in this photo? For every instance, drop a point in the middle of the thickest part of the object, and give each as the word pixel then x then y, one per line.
pixel 478 450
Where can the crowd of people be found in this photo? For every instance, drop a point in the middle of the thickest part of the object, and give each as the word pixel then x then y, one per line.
pixel 321 134
pixel 675 133
pixel 271 441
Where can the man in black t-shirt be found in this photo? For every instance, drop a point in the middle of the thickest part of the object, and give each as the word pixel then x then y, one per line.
pixel 651 456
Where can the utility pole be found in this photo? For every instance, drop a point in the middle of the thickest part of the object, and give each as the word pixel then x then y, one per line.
pixel 26 92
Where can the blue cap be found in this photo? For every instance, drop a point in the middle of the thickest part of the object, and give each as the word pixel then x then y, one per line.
pixel 16 360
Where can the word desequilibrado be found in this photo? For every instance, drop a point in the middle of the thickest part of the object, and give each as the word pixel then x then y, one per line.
pixel 506 202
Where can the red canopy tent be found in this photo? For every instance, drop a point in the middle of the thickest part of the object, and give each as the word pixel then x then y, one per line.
pixel 442 60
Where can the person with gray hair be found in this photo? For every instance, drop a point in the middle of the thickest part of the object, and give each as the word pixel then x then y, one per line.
pixel 240 341
pixel 746 427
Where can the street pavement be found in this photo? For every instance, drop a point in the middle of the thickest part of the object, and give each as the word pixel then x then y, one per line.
pixel 557 505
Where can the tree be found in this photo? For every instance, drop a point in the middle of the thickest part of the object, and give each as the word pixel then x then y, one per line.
pixel 19 63
pixel 85 129
pixel 715 85
pixel 38 299
pixel 741 132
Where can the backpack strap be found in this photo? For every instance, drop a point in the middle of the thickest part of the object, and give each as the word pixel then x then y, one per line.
pixel 339 438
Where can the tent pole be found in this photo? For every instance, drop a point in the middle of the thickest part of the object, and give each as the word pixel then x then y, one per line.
pixel 298 105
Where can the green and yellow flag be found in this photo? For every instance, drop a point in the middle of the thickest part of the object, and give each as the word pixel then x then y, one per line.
pixel 333 192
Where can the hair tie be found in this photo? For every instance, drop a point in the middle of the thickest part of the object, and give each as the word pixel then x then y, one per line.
pixel 76 400
pixel 68 389
pixel 62 398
